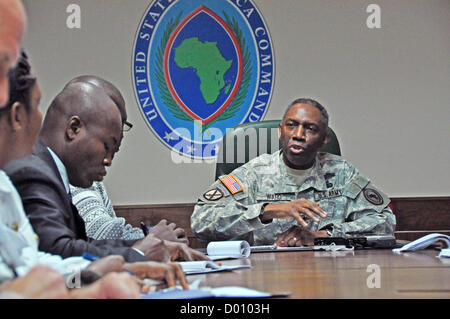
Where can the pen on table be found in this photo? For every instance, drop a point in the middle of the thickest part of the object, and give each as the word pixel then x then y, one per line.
pixel 91 257
pixel 10 265
pixel 13 270
pixel 144 228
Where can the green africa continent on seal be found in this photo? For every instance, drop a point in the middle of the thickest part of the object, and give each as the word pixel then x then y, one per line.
pixel 209 64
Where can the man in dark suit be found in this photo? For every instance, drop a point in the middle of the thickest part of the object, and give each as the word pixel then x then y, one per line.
pixel 20 121
pixel 93 203
pixel 77 142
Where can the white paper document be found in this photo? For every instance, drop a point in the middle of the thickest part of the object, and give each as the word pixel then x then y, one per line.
pixel 444 253
pixel 243 292
pixel 274 248
pixel 206 292
pixel 228 249
pixel 424 242
pixel 202 267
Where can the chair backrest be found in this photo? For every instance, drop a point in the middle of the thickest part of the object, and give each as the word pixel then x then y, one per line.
pixel 247 141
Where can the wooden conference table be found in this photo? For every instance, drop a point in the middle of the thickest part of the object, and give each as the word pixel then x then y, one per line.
pixel 340 274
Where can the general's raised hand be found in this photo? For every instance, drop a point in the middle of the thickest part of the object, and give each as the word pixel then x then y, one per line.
pixel 294 209
pixel 297 236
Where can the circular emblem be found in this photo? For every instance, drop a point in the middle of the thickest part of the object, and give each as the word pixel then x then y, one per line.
pixel 213 194
pixel 201 67
pixel 373 196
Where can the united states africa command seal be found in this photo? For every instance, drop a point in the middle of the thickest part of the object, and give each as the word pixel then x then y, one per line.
pixel 201 67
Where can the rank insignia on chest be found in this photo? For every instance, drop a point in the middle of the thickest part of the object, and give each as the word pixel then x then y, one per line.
pixel 232 184
pixel 327 194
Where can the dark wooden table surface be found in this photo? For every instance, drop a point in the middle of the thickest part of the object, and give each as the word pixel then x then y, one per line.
pixel 340 274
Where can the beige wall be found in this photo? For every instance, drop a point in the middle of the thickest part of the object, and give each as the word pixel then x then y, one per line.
pixel 387 90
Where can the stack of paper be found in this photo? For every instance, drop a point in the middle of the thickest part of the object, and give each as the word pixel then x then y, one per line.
pixel 274 248
pixel 424 242
pixel 220 292
pixel 445 253
pixel 202 267
pixel 228 249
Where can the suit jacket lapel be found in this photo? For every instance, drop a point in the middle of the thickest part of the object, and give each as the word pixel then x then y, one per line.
pixel 41 151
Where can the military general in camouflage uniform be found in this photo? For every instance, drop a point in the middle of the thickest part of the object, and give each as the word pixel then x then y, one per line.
pixel 295 194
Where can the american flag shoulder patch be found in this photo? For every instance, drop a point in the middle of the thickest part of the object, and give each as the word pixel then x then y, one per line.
pixel 232 184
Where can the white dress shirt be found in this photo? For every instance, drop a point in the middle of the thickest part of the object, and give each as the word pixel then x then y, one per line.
pixel 18 241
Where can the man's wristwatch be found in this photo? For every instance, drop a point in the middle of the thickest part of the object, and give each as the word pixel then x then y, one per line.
pixel 329 233
pixel 262 212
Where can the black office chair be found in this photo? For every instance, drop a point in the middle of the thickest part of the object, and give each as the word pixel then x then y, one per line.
pixel 253 139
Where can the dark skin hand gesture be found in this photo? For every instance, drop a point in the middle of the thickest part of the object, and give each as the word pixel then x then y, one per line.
pixel 169 272
pixel 107 264
pixel 160 250
pixel 297 236
pixel 169 232
pixel 179 251
pixel 294 209
pixel 153 248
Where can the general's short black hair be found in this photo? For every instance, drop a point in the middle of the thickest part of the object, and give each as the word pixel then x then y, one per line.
pixel 313 103
pixel 20 83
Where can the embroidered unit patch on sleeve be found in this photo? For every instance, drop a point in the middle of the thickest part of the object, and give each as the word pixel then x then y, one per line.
pixel 232 184
pixel 373 196
pixel 213 194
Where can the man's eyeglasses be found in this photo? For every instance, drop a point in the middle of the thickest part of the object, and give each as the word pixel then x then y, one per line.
pixel 126 126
